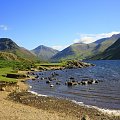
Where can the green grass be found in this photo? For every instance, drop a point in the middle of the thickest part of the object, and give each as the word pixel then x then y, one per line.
pixel 7 66
pixel 4 71
pixel 7 79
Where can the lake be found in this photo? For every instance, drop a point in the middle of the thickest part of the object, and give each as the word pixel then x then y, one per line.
pixel 105 94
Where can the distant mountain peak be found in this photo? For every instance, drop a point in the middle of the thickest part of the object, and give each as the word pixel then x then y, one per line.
pixel 42 46
pixel 113 37
pixel 116 35
pixel 44 52
pixel 5 39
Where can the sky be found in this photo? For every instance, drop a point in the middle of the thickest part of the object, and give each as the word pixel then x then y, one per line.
pixel 58 23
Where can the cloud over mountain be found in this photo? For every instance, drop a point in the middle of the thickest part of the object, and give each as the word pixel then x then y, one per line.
pixel 59 47
pixel 89 38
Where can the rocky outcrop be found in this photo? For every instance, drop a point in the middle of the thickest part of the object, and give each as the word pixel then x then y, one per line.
pixel 71 83
pixel 77 64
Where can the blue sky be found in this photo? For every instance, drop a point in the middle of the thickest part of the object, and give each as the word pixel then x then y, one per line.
pixel 58 23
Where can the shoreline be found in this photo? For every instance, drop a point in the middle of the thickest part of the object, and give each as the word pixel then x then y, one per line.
pixel 59 106
pixel 110 112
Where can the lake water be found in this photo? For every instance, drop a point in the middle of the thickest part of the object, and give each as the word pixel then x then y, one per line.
pixel 105 94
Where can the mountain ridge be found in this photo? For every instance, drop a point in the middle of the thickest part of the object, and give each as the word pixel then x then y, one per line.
pixel 85 51
pixel 111 53
pixel 78 51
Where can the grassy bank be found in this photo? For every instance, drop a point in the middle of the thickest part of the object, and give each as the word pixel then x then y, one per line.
pixel 3 72
pixel 12 67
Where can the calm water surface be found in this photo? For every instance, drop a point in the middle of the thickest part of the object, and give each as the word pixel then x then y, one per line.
pixel 105 94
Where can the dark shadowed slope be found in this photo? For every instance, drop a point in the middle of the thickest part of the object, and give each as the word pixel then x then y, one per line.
pixel 111 53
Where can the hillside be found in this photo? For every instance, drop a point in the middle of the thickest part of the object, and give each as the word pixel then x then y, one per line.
pixel 111 53
pixel 44 53
pixel 75 51
pixel 104 43
pixel 8 56
pixel 7 45
pixel 85 51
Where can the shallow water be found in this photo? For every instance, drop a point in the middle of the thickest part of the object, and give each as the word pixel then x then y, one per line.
pixel 105 94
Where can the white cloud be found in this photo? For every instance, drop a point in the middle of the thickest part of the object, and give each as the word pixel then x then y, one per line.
pixel 3 27
pixel 76 40
pixel 59 47
pixel 88 38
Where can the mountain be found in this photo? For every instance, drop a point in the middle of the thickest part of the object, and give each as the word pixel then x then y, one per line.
pixel 7 45
pixel 104 43
pixel 75 51
pixel 111 53
pixel 44 53
pixel 85 51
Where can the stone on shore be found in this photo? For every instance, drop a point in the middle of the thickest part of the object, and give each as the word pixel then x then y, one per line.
pixel 17 76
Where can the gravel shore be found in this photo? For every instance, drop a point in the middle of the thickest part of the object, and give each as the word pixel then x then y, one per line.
pixel 15 111
pixel 23 105
pixel 12 110
pixel 63 109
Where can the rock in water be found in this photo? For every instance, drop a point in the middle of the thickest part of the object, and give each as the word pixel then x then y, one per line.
pixel 51 85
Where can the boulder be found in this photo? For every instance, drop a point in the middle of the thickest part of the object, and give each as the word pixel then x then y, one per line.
pixel 84 82
pixel 51 85
pixel 71 83
pixel 57 83
pixel 3 89
pixel 89 81
pixel 48 81
pixel 71 78
pixel 33 79
pixel 37 76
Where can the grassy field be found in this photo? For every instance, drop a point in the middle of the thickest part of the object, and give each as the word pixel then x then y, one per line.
pixel 4 71
pixel 7 66
pixel 11 66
